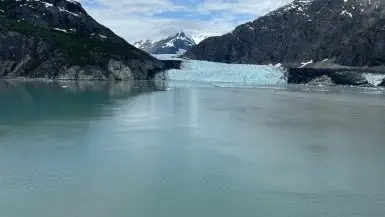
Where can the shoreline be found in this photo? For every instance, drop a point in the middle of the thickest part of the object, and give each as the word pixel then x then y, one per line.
pixel 338 76
pixel 325 75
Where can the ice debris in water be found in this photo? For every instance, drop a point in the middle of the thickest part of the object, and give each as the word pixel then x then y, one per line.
pixel 374 79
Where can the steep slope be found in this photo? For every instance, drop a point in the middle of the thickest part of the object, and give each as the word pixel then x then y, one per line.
pixel 347 32
pixel 58 39
pixel 175 44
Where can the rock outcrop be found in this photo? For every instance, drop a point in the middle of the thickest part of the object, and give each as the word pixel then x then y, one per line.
pixel 349 32
pixel 339 76
pixel 57 39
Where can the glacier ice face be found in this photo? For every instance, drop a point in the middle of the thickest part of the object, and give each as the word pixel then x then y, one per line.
pixel 203 71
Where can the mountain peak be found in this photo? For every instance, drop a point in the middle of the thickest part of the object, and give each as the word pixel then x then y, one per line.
pixel 180 34
pixel 177 43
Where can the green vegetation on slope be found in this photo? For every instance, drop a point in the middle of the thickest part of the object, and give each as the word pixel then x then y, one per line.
pixel 78 50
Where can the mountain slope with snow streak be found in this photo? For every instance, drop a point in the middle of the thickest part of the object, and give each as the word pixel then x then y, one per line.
pixel 347 32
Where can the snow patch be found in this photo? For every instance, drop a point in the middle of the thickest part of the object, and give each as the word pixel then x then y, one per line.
pixel 73 2
pixel 345 12
pixel 306 63
pixel 47 5
pixel 102 36
pixel 67 11
pixel 62 30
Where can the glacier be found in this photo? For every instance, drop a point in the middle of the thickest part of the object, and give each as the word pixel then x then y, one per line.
pixel 204 71
pixel 224 74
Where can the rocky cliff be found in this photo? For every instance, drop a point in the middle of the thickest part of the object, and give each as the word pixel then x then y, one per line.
pixel 348 32
pixel 57 39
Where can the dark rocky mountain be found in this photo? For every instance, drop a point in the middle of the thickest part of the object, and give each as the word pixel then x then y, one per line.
pixel 346 32
pixel 57 39
pixel 176 44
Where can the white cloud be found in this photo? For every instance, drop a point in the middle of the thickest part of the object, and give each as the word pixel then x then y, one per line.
pixel 252 7
pixel 137 19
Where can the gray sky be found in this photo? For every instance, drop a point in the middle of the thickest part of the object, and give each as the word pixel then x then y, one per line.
pixel 153 19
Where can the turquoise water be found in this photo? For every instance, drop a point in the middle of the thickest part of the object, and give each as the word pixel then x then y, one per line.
pixel 189 150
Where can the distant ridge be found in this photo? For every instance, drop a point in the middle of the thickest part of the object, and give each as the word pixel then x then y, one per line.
pixel 176 44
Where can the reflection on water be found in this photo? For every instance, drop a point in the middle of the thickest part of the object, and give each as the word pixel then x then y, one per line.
pixel 126 149
pixel 41 100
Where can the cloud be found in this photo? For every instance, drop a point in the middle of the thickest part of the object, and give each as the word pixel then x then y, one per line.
pixel 153 19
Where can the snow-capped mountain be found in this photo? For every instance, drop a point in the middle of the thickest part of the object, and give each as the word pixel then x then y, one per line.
pixel 145 45
pixel 176 44
pixel 347 32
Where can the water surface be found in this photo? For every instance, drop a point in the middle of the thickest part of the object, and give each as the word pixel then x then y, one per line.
pixel 195 150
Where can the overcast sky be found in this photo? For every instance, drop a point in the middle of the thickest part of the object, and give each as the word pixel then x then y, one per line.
pixel 152 19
